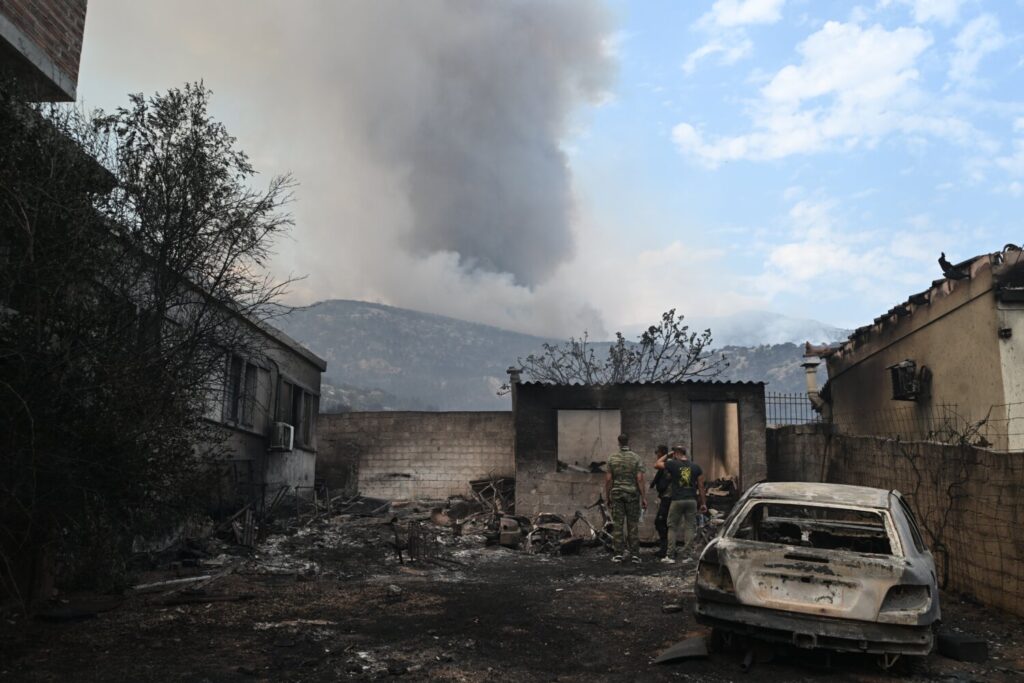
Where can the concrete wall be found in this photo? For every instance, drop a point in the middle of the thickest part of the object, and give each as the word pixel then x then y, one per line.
pixel 969 501
pixel 566 492
pixel 405 455
pixel 652 414
pixel 1010 316
pixel 290 468
pixel 956 335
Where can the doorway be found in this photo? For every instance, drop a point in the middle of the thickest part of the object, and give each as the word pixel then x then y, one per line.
pixel 715 429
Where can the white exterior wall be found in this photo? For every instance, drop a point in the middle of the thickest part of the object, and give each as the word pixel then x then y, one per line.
pixel 1011 317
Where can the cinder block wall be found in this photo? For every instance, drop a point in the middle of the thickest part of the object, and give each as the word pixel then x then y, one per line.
pixel 796 452
pixel 968 501
pixel 562 493
pixel 406 455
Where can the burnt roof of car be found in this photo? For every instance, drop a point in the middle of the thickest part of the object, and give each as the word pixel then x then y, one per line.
pixel 840 494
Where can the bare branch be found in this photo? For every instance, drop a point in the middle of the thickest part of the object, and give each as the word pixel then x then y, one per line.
pixel 665 352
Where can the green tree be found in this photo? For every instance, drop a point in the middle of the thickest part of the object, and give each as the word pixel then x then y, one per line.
pixel 133 246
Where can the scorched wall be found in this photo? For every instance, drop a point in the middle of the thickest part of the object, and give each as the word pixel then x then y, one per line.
pixel 406 455
pixel 650 414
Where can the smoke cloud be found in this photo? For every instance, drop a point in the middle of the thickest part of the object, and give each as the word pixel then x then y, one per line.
pixel 426 136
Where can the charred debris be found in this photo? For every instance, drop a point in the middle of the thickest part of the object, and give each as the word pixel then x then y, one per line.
pixel 323 535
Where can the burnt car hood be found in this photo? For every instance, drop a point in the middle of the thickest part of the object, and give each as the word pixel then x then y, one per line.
pixel 828 583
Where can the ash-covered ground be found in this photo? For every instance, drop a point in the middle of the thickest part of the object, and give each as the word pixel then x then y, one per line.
pixel 328 599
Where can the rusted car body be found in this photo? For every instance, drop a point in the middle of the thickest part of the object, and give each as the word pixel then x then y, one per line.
pixel 821 566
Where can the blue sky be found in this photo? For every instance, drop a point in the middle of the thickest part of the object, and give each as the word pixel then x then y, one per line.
pixel 802 157
pixel 820 154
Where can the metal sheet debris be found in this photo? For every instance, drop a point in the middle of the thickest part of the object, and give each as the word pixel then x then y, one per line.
pixel 691 648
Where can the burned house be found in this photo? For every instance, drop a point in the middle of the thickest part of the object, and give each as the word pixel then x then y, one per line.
pixel 554 442
pixel 563 433
pixel 267 401
pixel 269 404
pixel 945 363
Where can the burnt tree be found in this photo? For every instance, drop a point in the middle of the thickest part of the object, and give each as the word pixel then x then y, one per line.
pixel 665 352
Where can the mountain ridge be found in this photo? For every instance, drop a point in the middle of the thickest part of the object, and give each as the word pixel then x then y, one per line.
pixel 385 357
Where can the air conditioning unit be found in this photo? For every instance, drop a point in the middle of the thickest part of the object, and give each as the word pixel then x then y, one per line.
pixel 282 437
pixel 910 383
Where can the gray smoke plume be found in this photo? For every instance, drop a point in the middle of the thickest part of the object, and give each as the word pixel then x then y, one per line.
pixel 425 134
pixel 471 100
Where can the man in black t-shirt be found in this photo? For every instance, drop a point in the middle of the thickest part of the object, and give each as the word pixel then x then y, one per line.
pixel 687 492
pixel 661 483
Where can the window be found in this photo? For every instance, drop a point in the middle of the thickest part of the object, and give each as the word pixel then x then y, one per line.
pixel 216 388
pixel 297 407
pixel 241 392
pixel 308 418
pixel 249 395
pixel 586 436
pixel 915 531
pixel 234 389
pixel 715 434
pixel 811 526
pixel 284 402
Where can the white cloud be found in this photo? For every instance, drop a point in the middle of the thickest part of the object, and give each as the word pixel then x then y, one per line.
pixel 1013 163
pixel 1014 189
pixel 723 24
pixel 821 254
pixel 859 14
pixel 853 87
pixel 729 13
pixel 942 11
pixel 792 193
pixel 980 37
pixel 852 63
pixel 730 51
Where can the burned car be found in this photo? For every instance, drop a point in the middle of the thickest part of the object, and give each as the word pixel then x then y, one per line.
pixel 821 566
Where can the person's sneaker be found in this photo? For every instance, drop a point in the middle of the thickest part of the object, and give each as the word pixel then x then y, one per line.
pixel 617 558
pixel 635 559
pixel 668 560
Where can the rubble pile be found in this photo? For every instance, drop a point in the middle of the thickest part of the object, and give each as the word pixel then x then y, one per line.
pixel 358 537
pixel 491 514
pixel 722 493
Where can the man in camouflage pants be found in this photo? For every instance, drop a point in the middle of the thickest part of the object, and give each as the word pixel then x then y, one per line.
pixel 624 491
